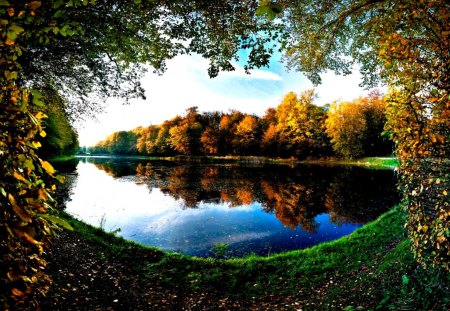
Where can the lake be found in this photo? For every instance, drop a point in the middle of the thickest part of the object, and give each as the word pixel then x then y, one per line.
pixel 190 208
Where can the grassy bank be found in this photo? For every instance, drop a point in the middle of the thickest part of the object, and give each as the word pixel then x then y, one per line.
pixel 62 158
pixel 371 162
pixel 370 269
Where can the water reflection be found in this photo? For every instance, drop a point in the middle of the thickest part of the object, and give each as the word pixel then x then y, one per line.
pixel 192 207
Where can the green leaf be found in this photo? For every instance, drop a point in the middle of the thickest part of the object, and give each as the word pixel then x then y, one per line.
pixel 262 10
pixel 271 14
pixel 57 221
pixel 4 3
pixel 29 164
pixel 58 3
pixel 405 279
pixel 10 75
pixel 58 14
pixel 3 192
pixel 16 29
pixel 63 30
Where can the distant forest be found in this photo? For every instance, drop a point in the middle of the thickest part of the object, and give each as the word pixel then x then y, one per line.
pixel 296 128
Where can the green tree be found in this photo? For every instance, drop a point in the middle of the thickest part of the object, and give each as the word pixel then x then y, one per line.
pixel 377 141
pixel 61 138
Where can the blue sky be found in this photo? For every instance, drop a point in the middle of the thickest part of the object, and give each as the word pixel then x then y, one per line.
pixel 186 84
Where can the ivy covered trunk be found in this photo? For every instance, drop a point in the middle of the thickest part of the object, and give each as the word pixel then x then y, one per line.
pixel 420 126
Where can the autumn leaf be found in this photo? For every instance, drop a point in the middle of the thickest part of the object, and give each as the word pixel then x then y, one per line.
pixel 20 211
pixel 47 167
pixel 36 144
pixel 34 5
pixel 19 177
pixel 16 292
pixel 40 115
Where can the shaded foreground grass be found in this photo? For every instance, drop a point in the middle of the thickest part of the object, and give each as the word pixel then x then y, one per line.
pixel 372 268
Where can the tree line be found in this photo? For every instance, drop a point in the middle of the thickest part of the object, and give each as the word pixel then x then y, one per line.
pixel 295 128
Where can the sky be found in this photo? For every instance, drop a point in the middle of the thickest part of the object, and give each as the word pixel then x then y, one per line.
pixel 186 84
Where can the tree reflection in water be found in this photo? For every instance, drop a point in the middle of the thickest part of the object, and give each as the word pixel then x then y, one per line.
pixel 294 195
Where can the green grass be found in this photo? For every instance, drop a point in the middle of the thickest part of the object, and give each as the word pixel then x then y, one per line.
pixel 369 267
pixel 62 158
pixel 369 162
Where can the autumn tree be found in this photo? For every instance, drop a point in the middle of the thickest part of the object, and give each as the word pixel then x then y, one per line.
pixel 346 125
pixel 185 136
pixel 246 137
pixel 300 125
pixel 406 45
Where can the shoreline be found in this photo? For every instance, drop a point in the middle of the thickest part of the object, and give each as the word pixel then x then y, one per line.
pixel 370 162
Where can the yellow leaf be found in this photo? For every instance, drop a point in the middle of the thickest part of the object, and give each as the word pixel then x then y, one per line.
pixel 36 144
pixel 438 181
pixel 43 133
pixel 444 192
pixel 47 167
pixel 40 115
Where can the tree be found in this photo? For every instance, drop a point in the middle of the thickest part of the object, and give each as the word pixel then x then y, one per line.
pixel 300 125
pixel 61 138
pixel 185 137
pixel 356 127
pixel 247 135
pixel 347 127
pixel 377 141
pixel 404 44
pixel 210 140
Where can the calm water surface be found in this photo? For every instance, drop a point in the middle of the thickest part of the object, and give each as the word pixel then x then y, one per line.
pixel 258 209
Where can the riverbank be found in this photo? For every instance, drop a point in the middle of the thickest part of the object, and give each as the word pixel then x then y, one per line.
pixel 371 268
pixel 371 162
